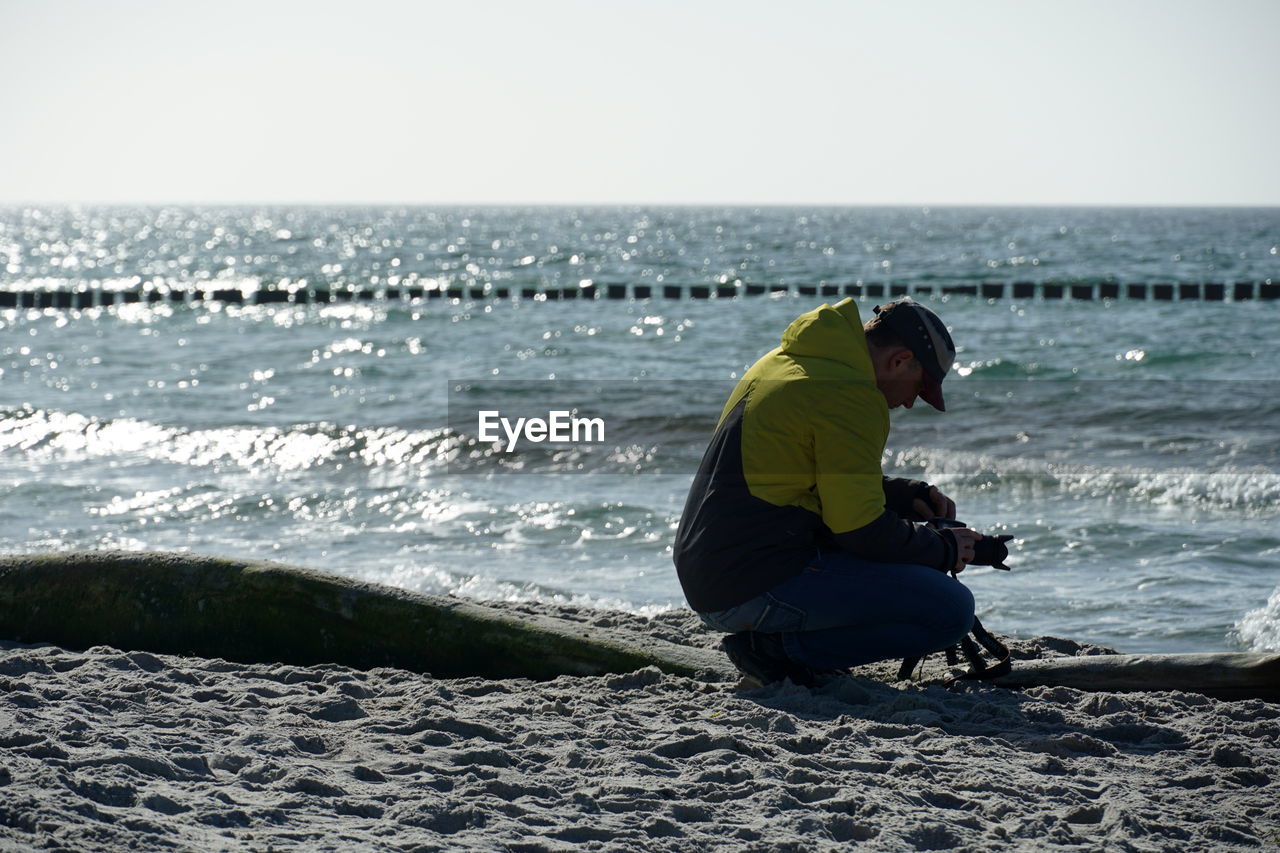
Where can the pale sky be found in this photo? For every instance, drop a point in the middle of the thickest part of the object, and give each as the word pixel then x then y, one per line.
pixel 666 102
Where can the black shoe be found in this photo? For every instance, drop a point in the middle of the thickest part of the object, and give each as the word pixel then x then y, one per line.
pixel 763 658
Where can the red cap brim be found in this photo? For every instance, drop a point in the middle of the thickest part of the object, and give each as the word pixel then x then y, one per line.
pixel 931 393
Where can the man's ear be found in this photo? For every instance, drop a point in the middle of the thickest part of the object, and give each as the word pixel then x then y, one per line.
pixel 901 358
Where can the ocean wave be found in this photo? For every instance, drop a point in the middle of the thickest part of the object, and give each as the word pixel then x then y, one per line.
pixel 1118 401
pixel 437 580
pixel 1253 489
pixel 71 436
pixel 644 445
pixel 650 445
pixel 999 368
pixel 1259 630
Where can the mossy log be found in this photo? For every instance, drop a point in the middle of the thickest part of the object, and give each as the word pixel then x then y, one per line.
pixel 258 612
pixel 263 612
pixel 1230 675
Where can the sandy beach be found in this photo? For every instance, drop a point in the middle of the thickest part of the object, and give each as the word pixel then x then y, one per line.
pixel 107 749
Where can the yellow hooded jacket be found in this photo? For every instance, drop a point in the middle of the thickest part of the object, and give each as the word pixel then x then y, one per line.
pixel 793 464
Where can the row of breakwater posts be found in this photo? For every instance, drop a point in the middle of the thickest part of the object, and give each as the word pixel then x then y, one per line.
pixel 94 297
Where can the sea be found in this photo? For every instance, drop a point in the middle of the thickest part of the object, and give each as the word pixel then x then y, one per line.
pixel 1130 445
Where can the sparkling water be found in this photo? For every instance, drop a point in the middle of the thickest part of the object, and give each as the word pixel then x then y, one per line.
pixel 1132 447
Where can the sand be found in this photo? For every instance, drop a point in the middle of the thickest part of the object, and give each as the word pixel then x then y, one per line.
pixel 109 749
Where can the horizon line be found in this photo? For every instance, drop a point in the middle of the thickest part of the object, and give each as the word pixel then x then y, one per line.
pixel 737 204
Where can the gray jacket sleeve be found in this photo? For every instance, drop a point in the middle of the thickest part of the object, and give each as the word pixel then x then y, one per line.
pixel 892 539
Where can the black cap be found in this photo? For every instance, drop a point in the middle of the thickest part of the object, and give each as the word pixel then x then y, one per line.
pixel 923 333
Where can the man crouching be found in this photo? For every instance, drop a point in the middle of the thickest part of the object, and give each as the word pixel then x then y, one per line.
pixel 792 539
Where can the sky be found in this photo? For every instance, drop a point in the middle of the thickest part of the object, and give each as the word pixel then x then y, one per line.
pixel 1119 102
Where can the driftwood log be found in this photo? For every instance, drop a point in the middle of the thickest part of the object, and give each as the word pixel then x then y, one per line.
pixel 258 612
pixel 262 612
pixel 1229 675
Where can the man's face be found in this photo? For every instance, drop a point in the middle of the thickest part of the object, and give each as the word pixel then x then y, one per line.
pixel 900 379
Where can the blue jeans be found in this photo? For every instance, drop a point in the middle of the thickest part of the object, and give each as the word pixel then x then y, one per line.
pixel 843 611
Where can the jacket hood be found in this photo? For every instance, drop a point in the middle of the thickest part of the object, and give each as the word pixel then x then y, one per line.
pixel 832 332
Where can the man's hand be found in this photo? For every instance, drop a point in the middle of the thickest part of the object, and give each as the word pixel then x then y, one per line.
pixel 938 505
pixel 965 539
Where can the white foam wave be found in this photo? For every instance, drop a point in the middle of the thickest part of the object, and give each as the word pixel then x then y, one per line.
pixel 1259 630
pixel 1230 487
pixel 70 436
pixel 436 580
